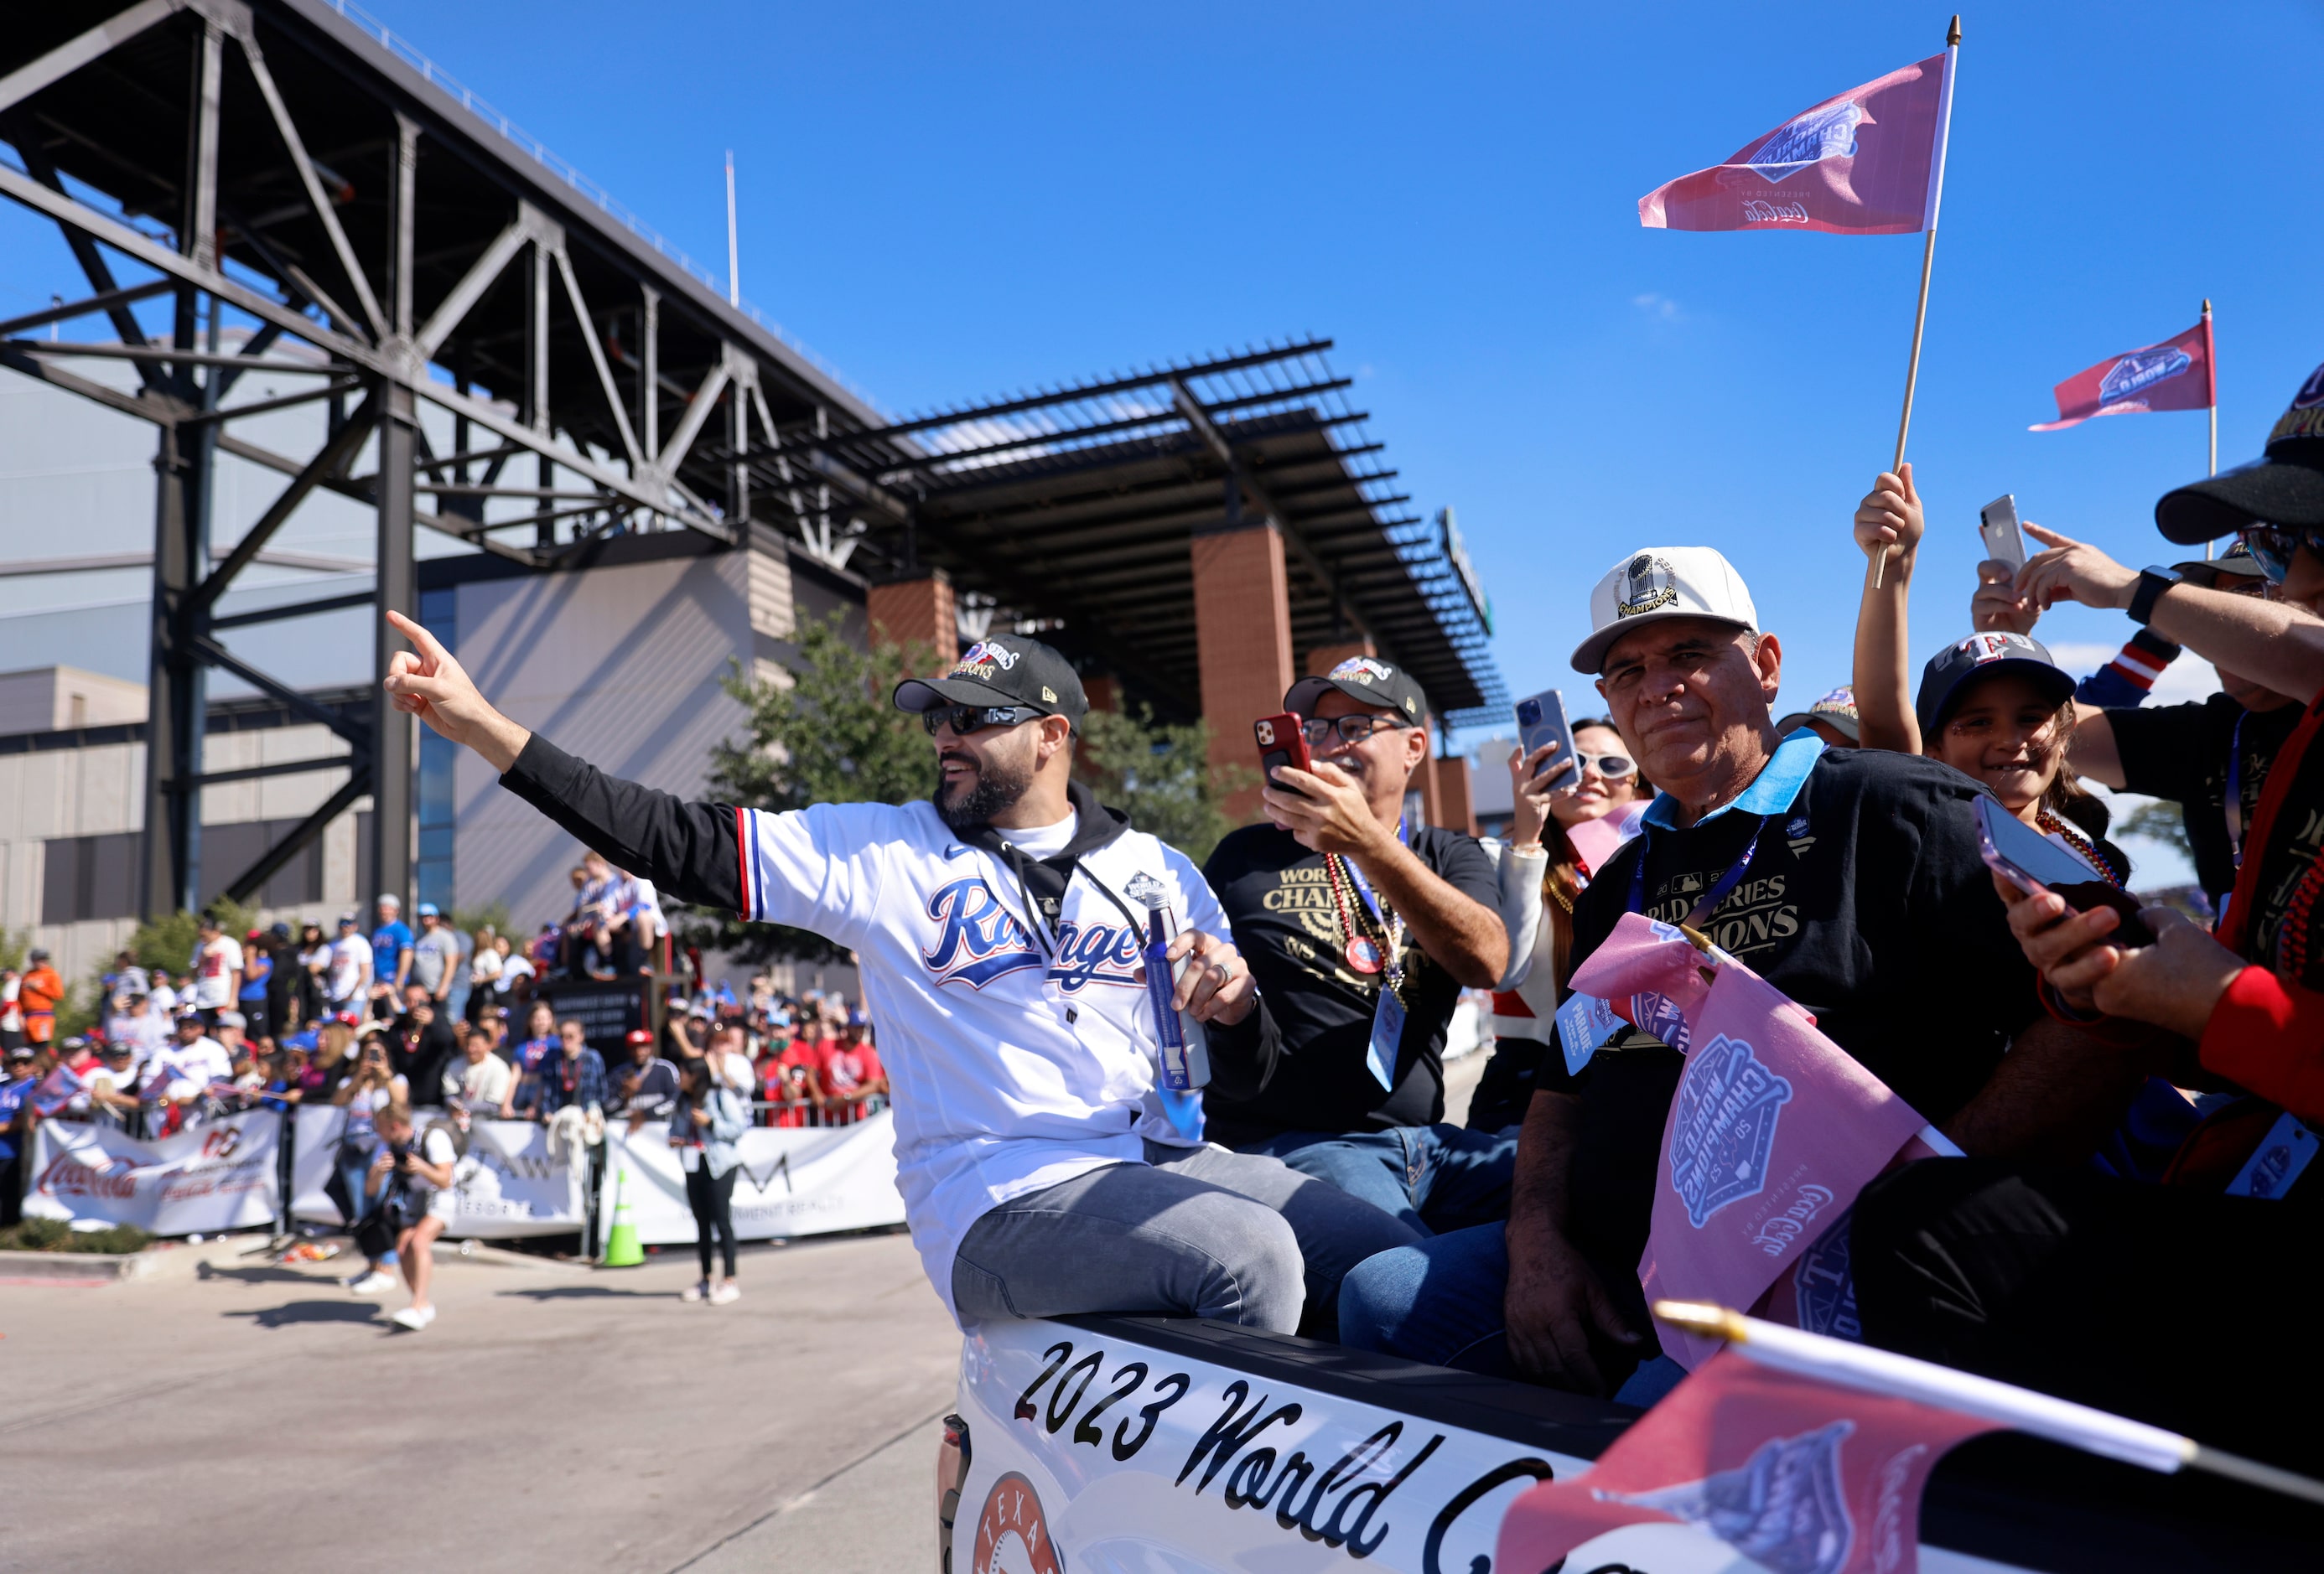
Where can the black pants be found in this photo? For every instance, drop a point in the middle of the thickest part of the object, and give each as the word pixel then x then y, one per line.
pixel 2172 1306
pixel 713 1208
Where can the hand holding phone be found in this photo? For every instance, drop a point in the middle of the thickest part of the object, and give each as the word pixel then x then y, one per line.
pixel 1281 742
pixel 2033 863
pixel 1542 719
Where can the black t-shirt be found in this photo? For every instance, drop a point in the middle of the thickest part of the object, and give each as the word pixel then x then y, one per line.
pixel 1866 903
pixel 1288 926
pixel 2181 752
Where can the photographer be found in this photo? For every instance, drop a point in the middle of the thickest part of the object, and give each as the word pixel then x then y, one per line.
pixel 368 1092
pixel 419 1202
pixel 704 1124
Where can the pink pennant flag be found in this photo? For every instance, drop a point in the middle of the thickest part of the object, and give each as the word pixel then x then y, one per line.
pixel 1869 162
pixel 1801 1475
pixel 1652 977
pixel 2178 374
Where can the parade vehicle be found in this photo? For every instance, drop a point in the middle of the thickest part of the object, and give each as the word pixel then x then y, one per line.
pixel 1145 1445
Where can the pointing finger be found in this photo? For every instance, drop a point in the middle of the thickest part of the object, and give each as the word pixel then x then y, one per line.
pixel 425 642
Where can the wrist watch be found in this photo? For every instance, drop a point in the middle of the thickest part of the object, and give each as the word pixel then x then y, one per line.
pixel 2152 583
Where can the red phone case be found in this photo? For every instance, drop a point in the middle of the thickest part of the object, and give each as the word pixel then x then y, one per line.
pixel 1281 742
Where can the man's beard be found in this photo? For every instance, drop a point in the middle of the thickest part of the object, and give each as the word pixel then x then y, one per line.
pixel 998 787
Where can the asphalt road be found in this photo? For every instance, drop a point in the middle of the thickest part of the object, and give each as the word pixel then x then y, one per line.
pixel 231 1414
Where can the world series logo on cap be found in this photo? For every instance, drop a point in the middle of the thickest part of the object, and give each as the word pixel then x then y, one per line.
pixel 1648 584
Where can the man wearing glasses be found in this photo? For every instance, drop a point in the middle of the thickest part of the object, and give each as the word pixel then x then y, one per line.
pixel 1000 926
pixel 1361 931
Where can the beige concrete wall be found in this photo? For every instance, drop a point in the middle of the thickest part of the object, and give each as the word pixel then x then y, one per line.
pixel 620 665
pixel 48 698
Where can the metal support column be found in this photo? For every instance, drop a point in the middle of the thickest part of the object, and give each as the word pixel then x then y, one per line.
pixel 391 742
pixel 536 318
pixel 178 704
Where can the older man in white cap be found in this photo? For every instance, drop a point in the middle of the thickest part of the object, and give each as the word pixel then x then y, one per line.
pixel 1849 879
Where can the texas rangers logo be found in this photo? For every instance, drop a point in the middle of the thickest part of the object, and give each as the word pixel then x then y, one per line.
pixel 1647 583
pixel 983 659
pixel 979 940
pixel 1998 647
pixel 1723 1126
pixel 2142 370
pixel 1784 1507
pixel 1829 132
pixel 1012 1511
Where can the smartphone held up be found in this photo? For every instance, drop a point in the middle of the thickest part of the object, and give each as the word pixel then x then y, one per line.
pixel 1281 741
pixel 1997 522
pixel 1542 719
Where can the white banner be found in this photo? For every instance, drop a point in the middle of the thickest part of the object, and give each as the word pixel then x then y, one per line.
pixel 507 1182
pixel 795 1181
pixel 217 1175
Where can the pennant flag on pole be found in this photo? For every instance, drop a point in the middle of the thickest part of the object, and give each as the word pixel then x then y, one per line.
pixel 1868 162
pixel 1799 1474
pixel 1772 1133
pixel 2179 373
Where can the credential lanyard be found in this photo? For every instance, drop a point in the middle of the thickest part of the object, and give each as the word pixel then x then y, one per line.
pixel 2235 804
pixel 1711 897
pixel 1364 887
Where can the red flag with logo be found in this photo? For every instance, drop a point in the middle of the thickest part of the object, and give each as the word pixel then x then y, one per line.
pixel 1801 1475
pixel 1869 162
pixel 2179 373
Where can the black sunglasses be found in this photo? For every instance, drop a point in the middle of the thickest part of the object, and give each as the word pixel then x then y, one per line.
pixel 1352 728
pixel 967 719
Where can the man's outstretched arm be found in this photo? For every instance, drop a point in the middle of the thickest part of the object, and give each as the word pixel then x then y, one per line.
pixel 693 850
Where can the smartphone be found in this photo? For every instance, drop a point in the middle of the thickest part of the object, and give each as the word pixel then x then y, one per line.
pixel 1541 719
pixel 1281 742
pixel 2033 863
pixel 1997 521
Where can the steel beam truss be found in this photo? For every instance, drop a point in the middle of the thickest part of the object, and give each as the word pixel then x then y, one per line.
pixel 243 202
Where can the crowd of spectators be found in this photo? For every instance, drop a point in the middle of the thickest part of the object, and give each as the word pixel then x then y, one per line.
pixel 387 1016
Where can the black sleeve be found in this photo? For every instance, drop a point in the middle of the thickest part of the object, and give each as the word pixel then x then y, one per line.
pixel 1243 1057
pixel 1954 926
pixel 691 850
pixel 1461 862
pixel 2166 750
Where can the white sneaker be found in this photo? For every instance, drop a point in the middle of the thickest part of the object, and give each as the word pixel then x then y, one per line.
pixel 694 1293
pixel 371 1283
pixel 415 1317
pixel 726 1294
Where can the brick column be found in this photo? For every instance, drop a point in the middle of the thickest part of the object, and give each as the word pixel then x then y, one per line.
pixel 915 611
pixel 1242 640
pixel 1105 694
pixel 1452 793
pixel 1431 800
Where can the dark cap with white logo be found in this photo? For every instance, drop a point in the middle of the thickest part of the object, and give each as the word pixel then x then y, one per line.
pixel 1002 669
pixel 1367 681
pixel 1980 655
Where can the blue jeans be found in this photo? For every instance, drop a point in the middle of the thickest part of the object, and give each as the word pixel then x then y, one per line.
pixel 1435 1179
pixel 1439 1303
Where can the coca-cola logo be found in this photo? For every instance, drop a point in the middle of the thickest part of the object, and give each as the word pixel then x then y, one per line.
pixel 220 1141
pixel 1755 211
pixel 68 1175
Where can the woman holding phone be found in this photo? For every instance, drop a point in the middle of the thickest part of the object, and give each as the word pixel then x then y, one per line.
pixel 1994 705
pixel 1565 824
pixel 708 1120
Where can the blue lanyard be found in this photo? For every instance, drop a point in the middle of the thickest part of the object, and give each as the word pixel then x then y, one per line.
pixel 1364 887
pixel 1718 888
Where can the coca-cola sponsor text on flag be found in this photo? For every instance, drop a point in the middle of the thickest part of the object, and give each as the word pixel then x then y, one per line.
pixel 2179 373
pixel 1868 161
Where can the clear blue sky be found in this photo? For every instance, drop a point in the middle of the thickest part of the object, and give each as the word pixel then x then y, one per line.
pixel 954 201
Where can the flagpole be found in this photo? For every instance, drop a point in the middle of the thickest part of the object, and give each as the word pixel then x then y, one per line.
pixel 1928 262
pixel 2212 373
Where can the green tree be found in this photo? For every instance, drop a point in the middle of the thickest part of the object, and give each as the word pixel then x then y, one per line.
pixel 829 735
pixel 14 944
pixel 2159 820
pixel 1159 773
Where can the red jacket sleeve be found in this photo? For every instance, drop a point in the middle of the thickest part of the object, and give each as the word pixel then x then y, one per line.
pixel 2268 1036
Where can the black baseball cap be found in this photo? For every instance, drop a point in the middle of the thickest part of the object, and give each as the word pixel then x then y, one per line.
pixel 2285 486
pixel 1980 655
pixel 1004 669
pixel 1367 681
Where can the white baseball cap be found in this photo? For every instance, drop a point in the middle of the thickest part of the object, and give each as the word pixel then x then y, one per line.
pixel 1655 582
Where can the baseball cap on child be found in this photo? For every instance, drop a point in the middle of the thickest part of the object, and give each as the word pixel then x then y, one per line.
pixel 1655 583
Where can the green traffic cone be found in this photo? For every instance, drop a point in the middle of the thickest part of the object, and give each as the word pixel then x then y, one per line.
pixel 621 1247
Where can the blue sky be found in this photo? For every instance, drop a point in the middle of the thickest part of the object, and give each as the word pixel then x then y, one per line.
pixel 955 200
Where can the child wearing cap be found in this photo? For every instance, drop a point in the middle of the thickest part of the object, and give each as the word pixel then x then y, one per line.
pixel 1995 706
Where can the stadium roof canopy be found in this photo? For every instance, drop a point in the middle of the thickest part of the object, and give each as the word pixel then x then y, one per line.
pixel 1077 508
